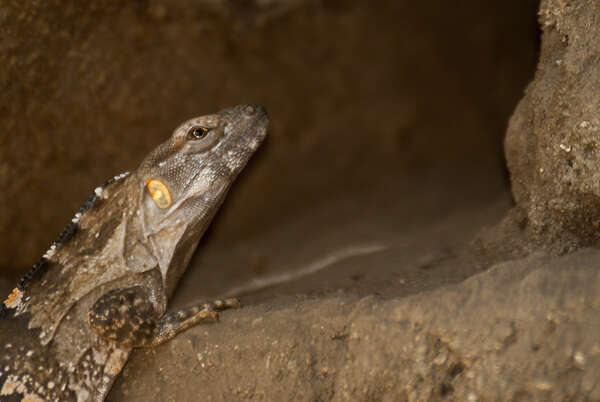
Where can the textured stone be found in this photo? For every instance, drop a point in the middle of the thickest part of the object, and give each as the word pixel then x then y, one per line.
pixel 525 329
pixel 552 144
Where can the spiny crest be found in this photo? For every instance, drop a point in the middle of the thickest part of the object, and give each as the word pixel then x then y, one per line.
pixel 67 234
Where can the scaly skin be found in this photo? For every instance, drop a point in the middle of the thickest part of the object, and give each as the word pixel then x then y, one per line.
pixel 67 329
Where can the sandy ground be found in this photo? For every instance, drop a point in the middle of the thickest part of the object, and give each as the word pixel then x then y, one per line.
pixel 427 317
pixel 383 243
pixel 387 242
pixel 392 239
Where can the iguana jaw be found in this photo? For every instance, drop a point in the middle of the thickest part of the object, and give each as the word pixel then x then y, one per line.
pixel 197 176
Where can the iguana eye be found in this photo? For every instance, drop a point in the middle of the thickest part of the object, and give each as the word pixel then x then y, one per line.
pixel 159 192
pixel 197 133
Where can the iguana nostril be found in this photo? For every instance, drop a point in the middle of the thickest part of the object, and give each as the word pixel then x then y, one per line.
pixel 250 110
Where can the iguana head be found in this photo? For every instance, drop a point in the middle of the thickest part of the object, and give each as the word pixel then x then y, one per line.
pixel 185 179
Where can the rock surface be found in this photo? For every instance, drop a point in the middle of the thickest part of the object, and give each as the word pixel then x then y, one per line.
pixel 416 321
pixel 552 141
pixel 519 331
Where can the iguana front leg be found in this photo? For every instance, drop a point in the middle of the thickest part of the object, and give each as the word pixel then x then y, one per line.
pixel 127 317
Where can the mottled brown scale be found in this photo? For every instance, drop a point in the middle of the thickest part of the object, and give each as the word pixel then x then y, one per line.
pixel 125 316
pixel 67 329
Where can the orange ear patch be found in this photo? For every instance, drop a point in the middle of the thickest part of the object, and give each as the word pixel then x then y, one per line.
pixel 159 192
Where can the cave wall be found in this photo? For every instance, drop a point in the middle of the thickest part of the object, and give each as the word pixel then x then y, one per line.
pixel 552 141
pixel 356 90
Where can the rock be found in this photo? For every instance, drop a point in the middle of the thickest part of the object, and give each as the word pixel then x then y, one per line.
pixel 525 329
pixel 552 146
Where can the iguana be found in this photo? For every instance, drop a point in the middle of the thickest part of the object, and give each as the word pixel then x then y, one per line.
pixel 102 288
